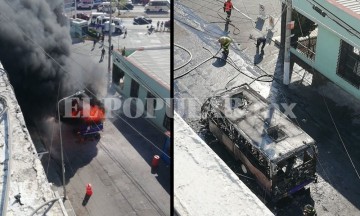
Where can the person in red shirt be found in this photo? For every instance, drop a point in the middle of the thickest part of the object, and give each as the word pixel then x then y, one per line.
pixel 228 6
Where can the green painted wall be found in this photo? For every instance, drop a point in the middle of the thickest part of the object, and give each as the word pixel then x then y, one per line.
pixel 327 51
pixel 154 87
pixel 330 35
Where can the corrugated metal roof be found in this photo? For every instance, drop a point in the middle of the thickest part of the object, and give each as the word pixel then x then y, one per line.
pixel 353 5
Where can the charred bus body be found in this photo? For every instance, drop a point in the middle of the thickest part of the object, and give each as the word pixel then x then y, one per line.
pixel 280 155
pixel 89 123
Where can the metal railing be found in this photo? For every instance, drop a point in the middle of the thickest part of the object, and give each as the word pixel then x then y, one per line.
pixel 307 48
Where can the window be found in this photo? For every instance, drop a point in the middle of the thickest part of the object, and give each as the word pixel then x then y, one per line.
pixel 150 100
pixel 166 122
pixel 118 76
pixel 134 91
pixel 349 64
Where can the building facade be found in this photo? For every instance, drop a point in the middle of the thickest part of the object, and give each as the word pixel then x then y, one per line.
pixel 333 49
pixel 144 77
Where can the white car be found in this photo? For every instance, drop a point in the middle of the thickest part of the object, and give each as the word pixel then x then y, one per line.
pixel 84 5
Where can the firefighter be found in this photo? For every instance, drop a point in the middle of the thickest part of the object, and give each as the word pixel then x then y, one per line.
pixel 225 43
pixel 309 210
pixel 228 6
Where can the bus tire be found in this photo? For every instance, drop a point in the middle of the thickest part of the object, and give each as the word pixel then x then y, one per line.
pixel 160 10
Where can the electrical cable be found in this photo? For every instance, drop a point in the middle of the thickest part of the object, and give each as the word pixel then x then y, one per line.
pixel 338 133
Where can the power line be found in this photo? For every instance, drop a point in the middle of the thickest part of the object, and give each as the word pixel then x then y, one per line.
pixel 338 133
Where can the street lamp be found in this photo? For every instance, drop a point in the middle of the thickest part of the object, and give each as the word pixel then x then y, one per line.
pixel 61 145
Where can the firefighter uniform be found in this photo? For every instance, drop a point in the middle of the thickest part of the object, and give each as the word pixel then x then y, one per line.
pixel 225 43
pixel 228 6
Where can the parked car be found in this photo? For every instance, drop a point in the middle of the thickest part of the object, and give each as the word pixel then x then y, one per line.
pixel 127 6
pixel 84 5
pixel 142 20
pixel 82 16
pixel 96 3
pixel 105 7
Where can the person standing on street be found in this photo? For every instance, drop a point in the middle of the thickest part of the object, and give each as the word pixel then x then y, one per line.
pixel 259 41
pixel 123 52
pixel 102 54
pixel 17 199
pixel 228 6
pixel 102 39
pixel 161 25
pixel 125 33
pixel 225 43
pixel 157 25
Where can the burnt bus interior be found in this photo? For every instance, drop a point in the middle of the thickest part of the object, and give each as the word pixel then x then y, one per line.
pixel 280 155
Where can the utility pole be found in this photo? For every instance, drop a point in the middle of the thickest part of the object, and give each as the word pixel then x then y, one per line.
pixel 109 60
pixel 75 9
pixel 286 80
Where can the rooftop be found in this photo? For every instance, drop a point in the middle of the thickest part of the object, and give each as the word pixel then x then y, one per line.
pixel 23 171
pixel 350 6
pixel 154 62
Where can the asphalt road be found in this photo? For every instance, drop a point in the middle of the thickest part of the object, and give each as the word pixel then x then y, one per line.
pixel 337 192
pixel 137 11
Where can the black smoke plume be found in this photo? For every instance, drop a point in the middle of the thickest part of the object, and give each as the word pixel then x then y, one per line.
pixel 28 30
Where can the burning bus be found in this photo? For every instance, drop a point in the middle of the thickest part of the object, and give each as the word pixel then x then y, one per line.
pixel 279 154
pixel 87 116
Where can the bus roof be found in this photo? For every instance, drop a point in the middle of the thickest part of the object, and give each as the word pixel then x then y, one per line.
pixel 263 125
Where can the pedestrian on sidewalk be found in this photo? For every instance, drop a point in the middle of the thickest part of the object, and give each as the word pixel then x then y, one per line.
pixel 260 40
pixel 161 25
pixel 228 6
pixel 111 48
pixel 102 39
pixel 125 33
pixel 123 52
pixel 225 43
pixel 151 29
pixel 157 25
pixel 102 54
pixel 17 199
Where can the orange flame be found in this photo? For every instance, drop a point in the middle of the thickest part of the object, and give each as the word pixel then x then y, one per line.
pixel 96 114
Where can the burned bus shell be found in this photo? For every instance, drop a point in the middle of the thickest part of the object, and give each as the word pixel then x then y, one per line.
pixel 280 155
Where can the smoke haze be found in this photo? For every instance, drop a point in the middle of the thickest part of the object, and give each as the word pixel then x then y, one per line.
pixel 26 25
